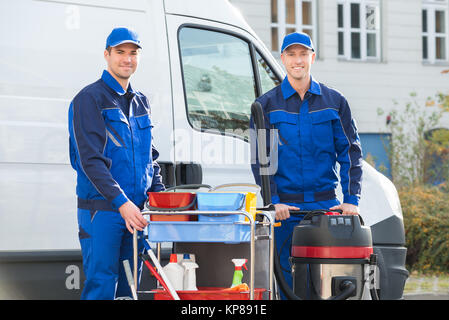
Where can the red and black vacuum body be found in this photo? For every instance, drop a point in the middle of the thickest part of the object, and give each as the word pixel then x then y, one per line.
pixel 328 249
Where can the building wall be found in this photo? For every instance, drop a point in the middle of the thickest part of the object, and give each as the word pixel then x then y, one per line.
pixel 258 15
pixel 368 85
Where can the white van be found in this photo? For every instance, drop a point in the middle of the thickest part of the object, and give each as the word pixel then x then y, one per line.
pixel 202 66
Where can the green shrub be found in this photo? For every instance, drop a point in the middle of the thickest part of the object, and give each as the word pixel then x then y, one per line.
pixel 426 222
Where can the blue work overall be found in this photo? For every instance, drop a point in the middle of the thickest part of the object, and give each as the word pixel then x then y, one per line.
pixel 309 137
pixel 111 150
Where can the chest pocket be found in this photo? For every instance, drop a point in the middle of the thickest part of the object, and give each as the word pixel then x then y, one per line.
pixel 117 128
pixel 287 125
pixel 144 124
pixel 322 128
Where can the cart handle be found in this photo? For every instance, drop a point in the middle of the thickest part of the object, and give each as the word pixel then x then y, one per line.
pixel 230 185
pixel 188 186
pixel 300 212
pixel 313 212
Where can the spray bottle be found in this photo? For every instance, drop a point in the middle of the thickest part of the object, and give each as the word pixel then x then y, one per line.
pixel 189 275
pixel 238 273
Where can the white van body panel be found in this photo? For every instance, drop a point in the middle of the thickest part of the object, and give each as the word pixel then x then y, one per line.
pixel 379 199
pixel 219 11
pixel 52 50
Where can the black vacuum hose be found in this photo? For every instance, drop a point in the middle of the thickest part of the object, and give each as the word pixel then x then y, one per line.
pixel 347 287
pixel 283 285
pixel 259 123
pixel 373 290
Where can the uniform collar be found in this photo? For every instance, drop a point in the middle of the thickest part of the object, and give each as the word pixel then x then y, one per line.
pixel 114 85
pixel 288 91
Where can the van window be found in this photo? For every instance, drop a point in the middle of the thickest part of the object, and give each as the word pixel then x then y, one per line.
pixel 218 80
pixel 268 79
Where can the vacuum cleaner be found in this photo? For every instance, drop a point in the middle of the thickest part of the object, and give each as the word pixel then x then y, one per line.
pixel 331 254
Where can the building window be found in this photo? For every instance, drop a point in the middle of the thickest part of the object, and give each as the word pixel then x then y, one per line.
pixel 435 44
pixel 359 30
pixel 289 16
pixel 375 146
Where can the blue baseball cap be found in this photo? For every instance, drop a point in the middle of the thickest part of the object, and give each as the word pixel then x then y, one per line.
pixel 122 35
pixel 297 38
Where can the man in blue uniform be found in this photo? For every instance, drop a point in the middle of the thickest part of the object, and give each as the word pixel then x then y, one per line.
pixel 314 130
pixel 112 152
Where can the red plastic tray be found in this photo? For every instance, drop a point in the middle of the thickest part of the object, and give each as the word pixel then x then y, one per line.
pixel 171 200
pixel 209 293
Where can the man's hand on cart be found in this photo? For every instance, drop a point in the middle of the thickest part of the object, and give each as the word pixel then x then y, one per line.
pixel 283 211
pixel 347 208
pixel 132 216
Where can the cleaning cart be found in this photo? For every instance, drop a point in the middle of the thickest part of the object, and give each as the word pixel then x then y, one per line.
pixel 215 216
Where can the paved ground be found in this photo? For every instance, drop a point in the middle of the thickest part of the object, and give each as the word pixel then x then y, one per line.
pixel 426 296
pixel 427 288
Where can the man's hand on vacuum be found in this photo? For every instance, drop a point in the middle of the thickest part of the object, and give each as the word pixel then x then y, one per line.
pixel 132 216
pixel 347 208
pixel 282 211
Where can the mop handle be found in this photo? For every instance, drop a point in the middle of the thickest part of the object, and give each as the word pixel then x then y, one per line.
pixel 130 279
pixel 161 271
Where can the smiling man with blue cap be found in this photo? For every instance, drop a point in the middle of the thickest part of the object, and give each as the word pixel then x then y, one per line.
pixel 313 130
pixel 113 155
